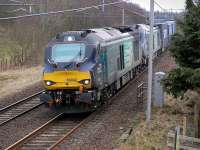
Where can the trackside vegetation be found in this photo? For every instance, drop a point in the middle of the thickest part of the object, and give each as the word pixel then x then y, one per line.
pixel 23 41
pixel 186 51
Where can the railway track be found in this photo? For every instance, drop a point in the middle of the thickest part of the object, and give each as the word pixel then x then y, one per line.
pixel 58 129
pixel 19 108
pixel 50 134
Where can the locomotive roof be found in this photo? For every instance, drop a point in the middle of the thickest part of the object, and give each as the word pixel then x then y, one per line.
pixel 108 33
pixel 144 26
pixel 170 21
pixel 147 27
pixel 126 29
pixel 102 34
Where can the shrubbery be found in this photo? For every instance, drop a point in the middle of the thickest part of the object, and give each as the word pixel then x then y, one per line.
pixel 186 51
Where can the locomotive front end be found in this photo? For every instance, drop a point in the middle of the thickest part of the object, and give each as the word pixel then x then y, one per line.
pixel 69 80
pixel 67 76
pixel 68 88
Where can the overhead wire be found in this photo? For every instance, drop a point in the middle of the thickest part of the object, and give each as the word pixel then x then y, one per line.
pixel 60 11
pixel 166 10
pixel 71 10
pixel 81 9
pixel 130 11
pixel 159 6
pixel 133 12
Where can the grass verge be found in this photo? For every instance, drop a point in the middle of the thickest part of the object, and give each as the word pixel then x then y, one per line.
pixel 16 80
pixel 153 137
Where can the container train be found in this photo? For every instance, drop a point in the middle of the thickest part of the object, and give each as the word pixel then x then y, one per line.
pixel 83 69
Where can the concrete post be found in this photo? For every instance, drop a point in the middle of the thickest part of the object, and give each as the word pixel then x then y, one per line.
pixel 150 66
pixel 158 91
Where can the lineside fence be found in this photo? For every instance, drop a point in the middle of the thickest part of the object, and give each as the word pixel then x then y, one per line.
pixel 15 62
pixel 179 140
pixel 141 93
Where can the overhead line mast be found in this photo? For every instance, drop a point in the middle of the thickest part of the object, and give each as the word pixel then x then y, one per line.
pixel 150 66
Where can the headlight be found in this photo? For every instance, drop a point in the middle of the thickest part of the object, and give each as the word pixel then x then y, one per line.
pixel 49 83
pixel 85 82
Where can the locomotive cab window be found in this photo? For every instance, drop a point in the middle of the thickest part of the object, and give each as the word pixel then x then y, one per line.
pixel 68 52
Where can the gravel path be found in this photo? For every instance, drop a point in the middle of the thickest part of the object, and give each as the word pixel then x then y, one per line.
pixel 104 131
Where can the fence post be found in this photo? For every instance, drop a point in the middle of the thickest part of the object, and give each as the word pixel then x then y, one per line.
pixel 184 125
pixel 0 65
pixel 3 64
pixel 177 138
pixel 6 64
pixel 197 119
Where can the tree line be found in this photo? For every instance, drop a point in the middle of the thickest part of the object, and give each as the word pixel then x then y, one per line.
pixel 33 33
pixel 185 49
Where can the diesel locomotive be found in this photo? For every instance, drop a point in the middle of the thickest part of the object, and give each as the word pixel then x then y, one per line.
pixel 83 69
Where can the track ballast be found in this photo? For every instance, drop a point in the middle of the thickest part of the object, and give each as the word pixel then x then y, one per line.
pixel 19 108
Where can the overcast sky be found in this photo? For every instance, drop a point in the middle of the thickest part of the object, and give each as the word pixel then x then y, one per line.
pixel 167 4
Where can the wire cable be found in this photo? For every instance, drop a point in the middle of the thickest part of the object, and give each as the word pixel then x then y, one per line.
pixel 160 6
pixel 74 10
pixel 57 12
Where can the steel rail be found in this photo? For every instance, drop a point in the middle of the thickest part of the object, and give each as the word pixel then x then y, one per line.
pixel 19 108
pixel 93 115
pixel 30 135
pixel 90 117
pixel 41 130
pixel 49 135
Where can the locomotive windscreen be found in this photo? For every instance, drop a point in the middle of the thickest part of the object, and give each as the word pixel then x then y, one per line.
pixel 68 52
